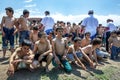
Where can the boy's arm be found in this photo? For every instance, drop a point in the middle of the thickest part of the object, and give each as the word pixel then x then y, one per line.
pixel 84 54
pixel 16 26
pixel 78 60
pixel 66 48
pixel 2 22
pixel 54 54
pixel 110 40
pixel 95 56
pixel 53 48
pixel 12 58
pixel 35 49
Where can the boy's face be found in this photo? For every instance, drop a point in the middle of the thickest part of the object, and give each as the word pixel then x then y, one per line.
pixel 27 15
pixel 87 35
pixel 60 32
pixel 43 38
pixel 25 49
pixel 78 43
pixel 114 34
pixel 8 12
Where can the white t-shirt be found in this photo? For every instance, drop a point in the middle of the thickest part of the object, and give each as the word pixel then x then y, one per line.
pixel 91 23
pixel 48 22
pixel 111 26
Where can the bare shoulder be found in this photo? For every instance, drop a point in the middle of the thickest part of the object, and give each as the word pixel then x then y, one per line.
pixel 18 49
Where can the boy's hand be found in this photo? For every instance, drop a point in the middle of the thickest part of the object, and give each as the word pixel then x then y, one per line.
pixel 10 71
pixel 64 57
pixel 92 65
pixel 3 33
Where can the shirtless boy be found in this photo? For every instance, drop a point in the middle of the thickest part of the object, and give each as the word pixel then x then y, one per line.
pixel 91 49
pixel 75 53
pixel 42 51
pixel 34 35
pixel 86 40
pixel 60 47
pixel 23 26
pixel 114 44
pixel 7 26
pixel 21 58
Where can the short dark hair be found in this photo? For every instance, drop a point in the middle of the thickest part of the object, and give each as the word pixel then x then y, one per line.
pixel 10 9
pixel 25 11
pixel 35 28
pixel 76 39
pixel 90 12
pixel 87 33
pixel 68 23
pixel 40 34
pixel 99 36
pixel 118 32
pixel 113 32
pixel 96 41
pixel 26 42
pixel 47 12
pixel 59 28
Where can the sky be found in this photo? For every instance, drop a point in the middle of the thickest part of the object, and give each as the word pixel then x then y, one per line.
pixel 66 10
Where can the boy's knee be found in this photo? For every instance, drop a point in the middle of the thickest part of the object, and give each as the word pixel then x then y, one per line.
pixel 50 55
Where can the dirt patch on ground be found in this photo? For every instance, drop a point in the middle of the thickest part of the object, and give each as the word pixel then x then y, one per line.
pixel 108 70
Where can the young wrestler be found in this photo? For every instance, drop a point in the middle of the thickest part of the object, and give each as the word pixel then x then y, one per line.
pixel 23 26
pixel 42 50
pixel 21 58
pixel 7 26
pixel 77 54
pixel 34 35
pixel 59 45
pixel 114 41
pixel 91 49
pixel 86 41
pixel 101 51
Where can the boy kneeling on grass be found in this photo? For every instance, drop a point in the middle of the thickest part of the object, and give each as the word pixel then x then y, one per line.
pixel 21 58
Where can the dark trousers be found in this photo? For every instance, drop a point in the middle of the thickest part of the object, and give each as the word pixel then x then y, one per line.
pixel 107 37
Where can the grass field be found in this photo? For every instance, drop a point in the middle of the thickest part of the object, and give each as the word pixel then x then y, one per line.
pixel 107 70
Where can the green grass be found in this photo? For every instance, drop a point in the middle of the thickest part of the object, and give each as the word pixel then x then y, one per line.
pixel 108 74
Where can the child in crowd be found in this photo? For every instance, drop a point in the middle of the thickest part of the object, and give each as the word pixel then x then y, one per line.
pixel 101 52
pixel 34 36
pixel 91 49
pixel 75 52
pixel 114 42
pixel 86 40
pixel 60 47
pixel 21 58
pixel 7 26
pixel 42 51
pixel 69 39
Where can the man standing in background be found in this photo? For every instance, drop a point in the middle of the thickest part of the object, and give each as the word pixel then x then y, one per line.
pixel 47 22
pixel 90 24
